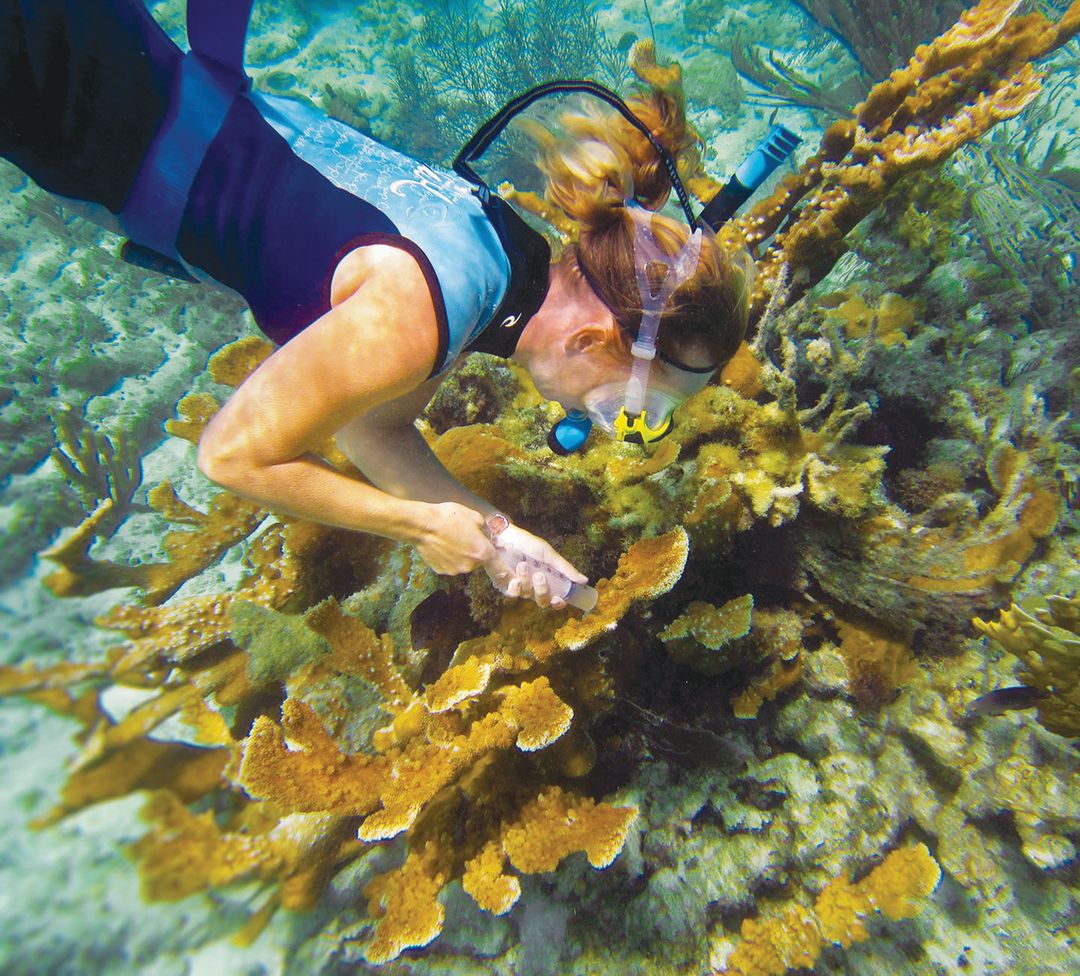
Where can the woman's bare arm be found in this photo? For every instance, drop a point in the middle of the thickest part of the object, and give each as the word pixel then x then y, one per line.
pixel 377 344
pixel 386 446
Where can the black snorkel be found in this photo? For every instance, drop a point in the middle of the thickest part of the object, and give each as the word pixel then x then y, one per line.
pixel 570 433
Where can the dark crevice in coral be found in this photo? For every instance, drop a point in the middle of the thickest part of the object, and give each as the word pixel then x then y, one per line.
pixel 760 794
pixel 905 425
pixel 619 760
pixel 852 577
pixel 955 901
pixel 945 780
pixel 670 712
pixel 775 887
pixel 708 816
pixel 438 624
pixel 768 563
pixel 1027 882
pixel 267 702
pixel 339 566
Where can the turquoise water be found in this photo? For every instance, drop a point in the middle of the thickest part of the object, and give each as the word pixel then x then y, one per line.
pixel 830 706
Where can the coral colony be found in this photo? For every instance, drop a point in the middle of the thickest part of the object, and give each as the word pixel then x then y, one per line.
pixel 317 723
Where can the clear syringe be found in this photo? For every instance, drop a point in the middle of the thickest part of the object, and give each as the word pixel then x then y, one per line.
pixel 579 595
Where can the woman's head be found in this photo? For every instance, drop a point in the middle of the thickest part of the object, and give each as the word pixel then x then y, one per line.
pixel 702 322
pixel 596 166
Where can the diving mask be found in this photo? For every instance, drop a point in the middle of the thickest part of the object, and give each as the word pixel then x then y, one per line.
pixel 665 391
pixel 638 408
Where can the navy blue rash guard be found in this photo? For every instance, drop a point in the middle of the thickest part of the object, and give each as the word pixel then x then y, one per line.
pixel 271 227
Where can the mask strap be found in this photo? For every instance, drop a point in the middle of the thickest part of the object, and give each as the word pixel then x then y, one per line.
pixel 486 134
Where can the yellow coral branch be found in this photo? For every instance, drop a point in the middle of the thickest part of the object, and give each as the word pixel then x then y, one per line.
pixel 1048 645
pixel 794 939
pixel 973 76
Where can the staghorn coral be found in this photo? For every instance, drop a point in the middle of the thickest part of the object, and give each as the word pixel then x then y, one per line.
pixel 467 736
pixel 229 521
pixel 896 888
pixel 1047 642
pixel 954 89
pixel 334 734
pixel 298 755
pixel 833 363
pixel 97 466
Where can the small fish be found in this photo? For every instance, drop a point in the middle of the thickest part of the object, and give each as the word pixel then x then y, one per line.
pixel 1003 700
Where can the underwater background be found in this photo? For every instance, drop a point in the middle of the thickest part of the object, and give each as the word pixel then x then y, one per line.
pixel 825 713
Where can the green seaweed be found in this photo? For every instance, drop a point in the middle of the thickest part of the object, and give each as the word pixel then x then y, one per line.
pixel 277 644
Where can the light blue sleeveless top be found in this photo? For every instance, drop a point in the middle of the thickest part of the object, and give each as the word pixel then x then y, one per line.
pixel 434 208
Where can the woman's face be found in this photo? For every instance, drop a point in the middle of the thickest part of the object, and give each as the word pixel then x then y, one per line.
pixel 569 345
pixel 566 372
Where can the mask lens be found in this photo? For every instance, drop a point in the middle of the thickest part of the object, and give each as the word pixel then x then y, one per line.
pixel 638 408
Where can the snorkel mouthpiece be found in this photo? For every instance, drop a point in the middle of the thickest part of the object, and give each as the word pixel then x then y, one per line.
pixel 570 433
pixel 636 429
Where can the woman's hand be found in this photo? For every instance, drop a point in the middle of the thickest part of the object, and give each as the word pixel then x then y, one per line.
pixel 455 539
pixel 512 574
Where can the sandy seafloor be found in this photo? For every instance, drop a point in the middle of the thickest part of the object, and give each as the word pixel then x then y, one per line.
pixel 69 895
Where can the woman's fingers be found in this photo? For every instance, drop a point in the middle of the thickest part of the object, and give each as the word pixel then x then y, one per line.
pixel 541 592
pixel 532 585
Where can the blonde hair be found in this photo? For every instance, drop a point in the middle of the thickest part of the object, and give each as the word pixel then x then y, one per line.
pixel 597 163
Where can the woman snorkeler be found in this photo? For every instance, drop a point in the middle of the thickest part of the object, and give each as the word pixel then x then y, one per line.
pixel 373 273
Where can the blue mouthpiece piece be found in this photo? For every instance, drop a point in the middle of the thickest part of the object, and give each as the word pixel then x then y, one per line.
pixel 752 172
pixel 570 433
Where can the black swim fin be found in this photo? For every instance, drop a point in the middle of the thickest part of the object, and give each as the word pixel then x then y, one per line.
pixel 151 260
